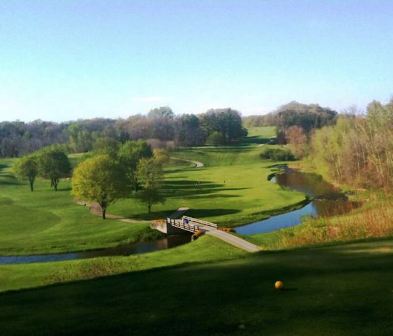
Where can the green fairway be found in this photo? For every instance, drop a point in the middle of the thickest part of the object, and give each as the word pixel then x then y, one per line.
pixel 231 189
pixel 342 290
pixel 46 221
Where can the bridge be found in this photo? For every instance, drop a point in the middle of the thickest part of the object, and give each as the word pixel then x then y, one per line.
pixel 190 224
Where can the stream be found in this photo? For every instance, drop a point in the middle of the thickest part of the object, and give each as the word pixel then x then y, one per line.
pixel 325 200
pixel 125 250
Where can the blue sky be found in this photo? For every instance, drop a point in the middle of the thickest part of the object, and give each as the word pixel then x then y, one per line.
pixel 70 59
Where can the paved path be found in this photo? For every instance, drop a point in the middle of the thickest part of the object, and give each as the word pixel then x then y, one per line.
pixel 197 164
pixel 212 230
pixel 234 240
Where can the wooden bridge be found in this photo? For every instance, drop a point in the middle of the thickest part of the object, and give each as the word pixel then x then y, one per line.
pixel 190 224
pixel 193 225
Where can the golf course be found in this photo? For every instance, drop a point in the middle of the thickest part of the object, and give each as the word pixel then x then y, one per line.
pixel 202 287
pixel 196 168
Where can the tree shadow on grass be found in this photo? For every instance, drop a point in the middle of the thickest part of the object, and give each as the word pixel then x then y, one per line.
pixel 64 189
pixel 181 170
pixel 197 213
pixel 255 140
pixel 7 178
pixel 213 196
pixel 201 213
pixel 193 188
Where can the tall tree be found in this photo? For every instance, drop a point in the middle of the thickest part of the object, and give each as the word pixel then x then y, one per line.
pixel 106 145
pixel 27 168
pixel 150 175
pixel 162 123
pixel 53 164
pixel 99 179
pixel 226 121
pixel 188 131
pixel 129 155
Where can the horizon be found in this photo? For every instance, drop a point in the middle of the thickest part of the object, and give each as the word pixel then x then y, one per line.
pixel 89 59
pixel 176 114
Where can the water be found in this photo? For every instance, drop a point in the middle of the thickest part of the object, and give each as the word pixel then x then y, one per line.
pixel 125 250
pixel 326 201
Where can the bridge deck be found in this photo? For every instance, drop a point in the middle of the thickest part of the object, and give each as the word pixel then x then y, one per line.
pixel 194 224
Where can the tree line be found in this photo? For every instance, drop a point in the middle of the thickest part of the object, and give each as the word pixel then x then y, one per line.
pixel 358 150
pixel 294 121
pixel 352 148
pixel 160 127
pixel 104 176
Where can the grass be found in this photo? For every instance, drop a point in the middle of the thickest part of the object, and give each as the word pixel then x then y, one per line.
pixel 340 290
pixel 203 288
pixel 231 189
pixel 374 219
pixel 205 249
pixel 47 221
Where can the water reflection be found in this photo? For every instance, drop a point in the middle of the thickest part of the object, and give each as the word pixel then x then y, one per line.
pixel 327 201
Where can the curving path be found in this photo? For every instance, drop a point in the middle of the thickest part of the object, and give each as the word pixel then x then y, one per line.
pixel 197 164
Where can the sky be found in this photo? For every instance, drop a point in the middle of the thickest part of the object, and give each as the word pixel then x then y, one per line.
pixel 71 59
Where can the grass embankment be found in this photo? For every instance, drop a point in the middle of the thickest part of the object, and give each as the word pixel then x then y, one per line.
pixel 45 221
pixel 371 218
pixel 205 249
pixel 341 290
pixel 230 190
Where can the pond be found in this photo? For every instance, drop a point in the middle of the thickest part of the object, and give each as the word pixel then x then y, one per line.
pixel 326 200
pixel 125 250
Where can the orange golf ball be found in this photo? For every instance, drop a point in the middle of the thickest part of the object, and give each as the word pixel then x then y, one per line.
pixel 279 284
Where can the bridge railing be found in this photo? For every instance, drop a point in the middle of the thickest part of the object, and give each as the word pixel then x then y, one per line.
pixel 198 221
pixel 179 223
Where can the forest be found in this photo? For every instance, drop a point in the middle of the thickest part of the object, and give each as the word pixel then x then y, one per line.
pixel 160 126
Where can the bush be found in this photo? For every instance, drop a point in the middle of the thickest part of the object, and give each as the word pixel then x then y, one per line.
pixel 277 154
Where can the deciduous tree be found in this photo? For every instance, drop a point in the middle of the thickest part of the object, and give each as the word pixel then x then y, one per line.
pixel 150 175
pixel 27 168
pixel 99 179
pixel 53 164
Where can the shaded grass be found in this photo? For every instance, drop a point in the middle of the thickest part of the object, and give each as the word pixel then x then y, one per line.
pixel 340 290
pixel 205 249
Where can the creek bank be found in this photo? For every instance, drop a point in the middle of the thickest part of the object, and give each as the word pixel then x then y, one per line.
pixel 323 199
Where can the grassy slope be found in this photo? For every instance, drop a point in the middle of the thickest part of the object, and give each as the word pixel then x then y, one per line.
pixel 342 290
pixel 205 249
pixel 232 189
pixel 48 221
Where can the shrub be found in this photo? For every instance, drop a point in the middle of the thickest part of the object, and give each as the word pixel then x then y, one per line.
pixel 277 154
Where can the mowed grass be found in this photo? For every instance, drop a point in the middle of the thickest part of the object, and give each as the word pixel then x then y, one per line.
pixel 46 221
pixel 206 249
pixel 231 189
pixel 340 290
